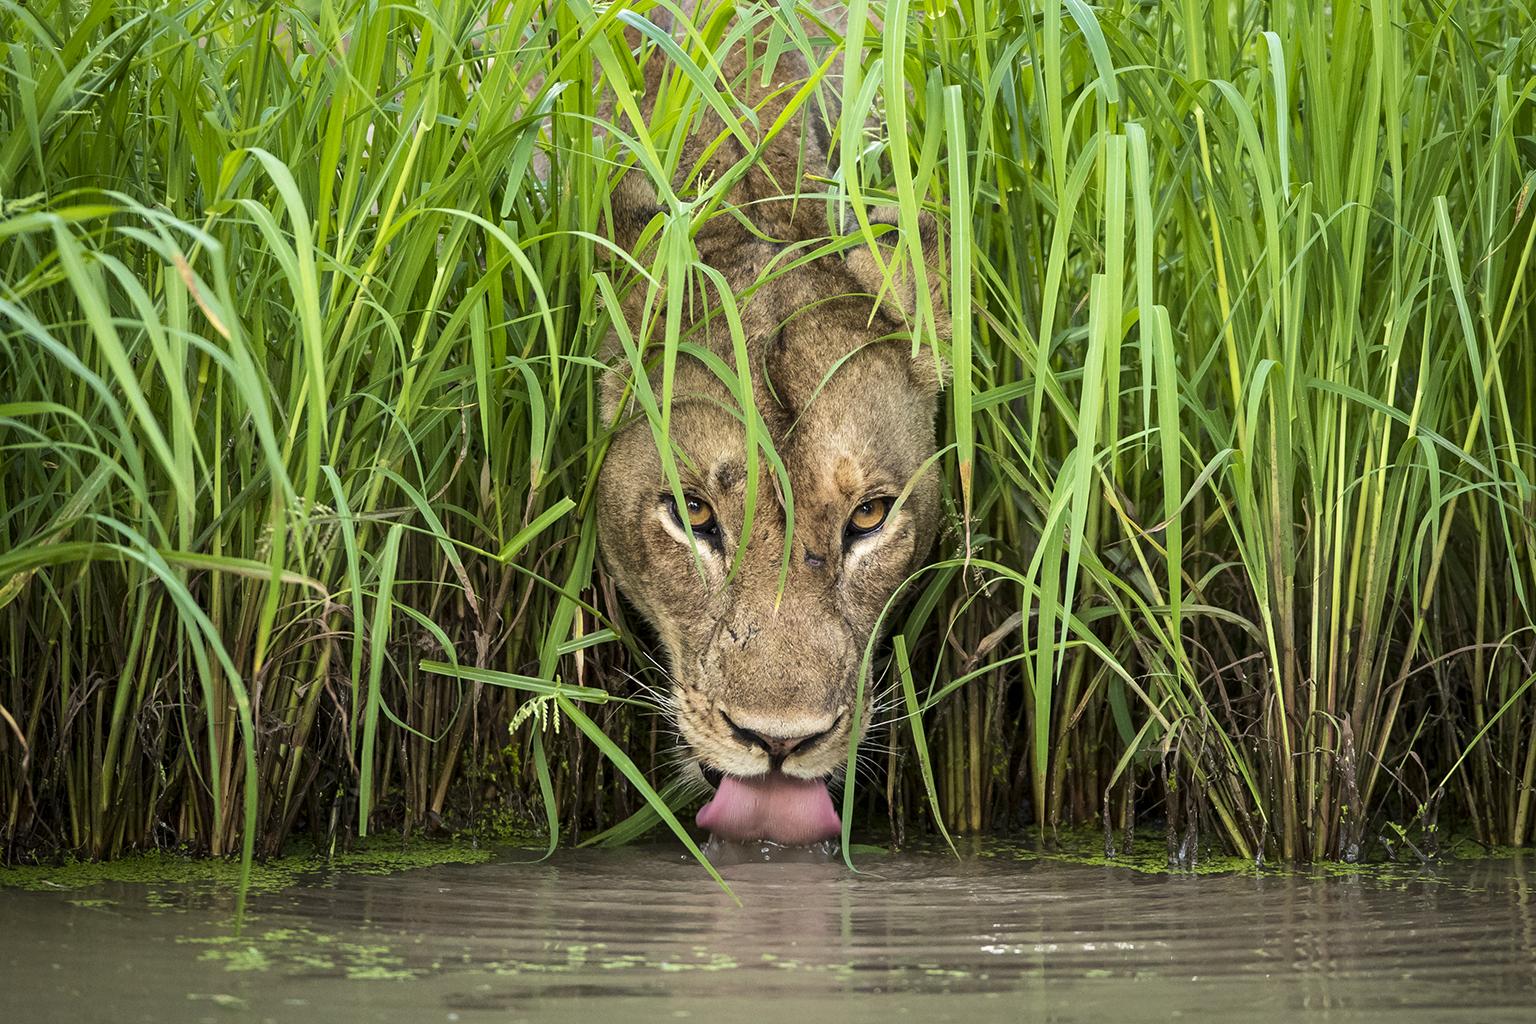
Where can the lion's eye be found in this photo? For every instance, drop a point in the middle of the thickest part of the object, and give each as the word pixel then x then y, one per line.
pixel 869 516
pixel 701 515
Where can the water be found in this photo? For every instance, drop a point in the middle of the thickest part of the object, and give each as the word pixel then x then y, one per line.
pixel 640 935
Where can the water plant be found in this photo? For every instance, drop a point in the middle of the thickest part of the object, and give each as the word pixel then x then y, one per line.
pixel 300 307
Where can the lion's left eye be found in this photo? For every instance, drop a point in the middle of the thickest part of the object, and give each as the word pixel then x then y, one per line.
pixel 868 517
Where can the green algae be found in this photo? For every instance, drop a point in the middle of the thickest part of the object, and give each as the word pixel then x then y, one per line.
pixel 502 827
pixel 246 958
pixel 378 973
pixel 302 951
pixel 173 875
pixel 1082 847
pixel 163 868
pixel 1149 856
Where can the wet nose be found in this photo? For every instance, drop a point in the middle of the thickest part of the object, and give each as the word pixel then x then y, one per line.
pixel 776 747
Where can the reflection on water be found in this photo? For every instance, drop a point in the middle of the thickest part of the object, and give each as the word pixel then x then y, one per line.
pixel 641 935
pixel 728 852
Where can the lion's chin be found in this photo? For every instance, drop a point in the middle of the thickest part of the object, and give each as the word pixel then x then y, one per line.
pixel 776 807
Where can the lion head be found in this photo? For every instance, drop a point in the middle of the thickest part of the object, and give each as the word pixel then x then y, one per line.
pixel 765 654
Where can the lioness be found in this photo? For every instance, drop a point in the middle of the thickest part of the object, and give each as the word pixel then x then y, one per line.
pixel 764 683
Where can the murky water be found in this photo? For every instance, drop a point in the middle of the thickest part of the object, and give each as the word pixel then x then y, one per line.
pixel 641 935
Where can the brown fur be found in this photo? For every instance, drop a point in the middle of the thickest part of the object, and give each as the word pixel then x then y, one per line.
pixel 782 666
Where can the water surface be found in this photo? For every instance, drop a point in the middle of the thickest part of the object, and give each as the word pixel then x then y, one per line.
pixel 641 935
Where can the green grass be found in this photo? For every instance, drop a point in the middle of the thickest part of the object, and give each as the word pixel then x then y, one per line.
pixel 299 307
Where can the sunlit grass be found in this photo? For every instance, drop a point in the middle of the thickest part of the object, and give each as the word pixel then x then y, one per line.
pixel 299 312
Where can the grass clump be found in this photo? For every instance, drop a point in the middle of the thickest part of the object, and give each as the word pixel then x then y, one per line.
pixel 299 314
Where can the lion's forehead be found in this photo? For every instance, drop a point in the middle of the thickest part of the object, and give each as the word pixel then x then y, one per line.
pixel 837 408
pixel 838 444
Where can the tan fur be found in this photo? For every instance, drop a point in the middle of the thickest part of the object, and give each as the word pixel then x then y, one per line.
pixel 781 666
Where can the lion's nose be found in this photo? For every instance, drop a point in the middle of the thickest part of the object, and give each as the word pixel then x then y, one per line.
pixel 776 747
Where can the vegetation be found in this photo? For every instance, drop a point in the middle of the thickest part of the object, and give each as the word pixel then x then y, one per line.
pixel 299 307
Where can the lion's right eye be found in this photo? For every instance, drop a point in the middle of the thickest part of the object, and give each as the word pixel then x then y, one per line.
pixel 701 515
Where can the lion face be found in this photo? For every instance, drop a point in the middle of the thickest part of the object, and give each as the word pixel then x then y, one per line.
pixel 765 677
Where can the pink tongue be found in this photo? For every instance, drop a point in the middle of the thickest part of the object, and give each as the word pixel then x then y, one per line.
pixel 775 807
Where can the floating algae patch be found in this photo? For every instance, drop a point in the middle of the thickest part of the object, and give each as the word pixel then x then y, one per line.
pixel 300 951
pixel 247 958
pixel 93 904
pixel 376 857
pixel 1148 854
pixel 581 959
pixel 1085 847
pixel 389 858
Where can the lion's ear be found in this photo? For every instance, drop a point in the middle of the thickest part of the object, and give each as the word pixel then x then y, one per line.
pixel 632 205
pixel 898 296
